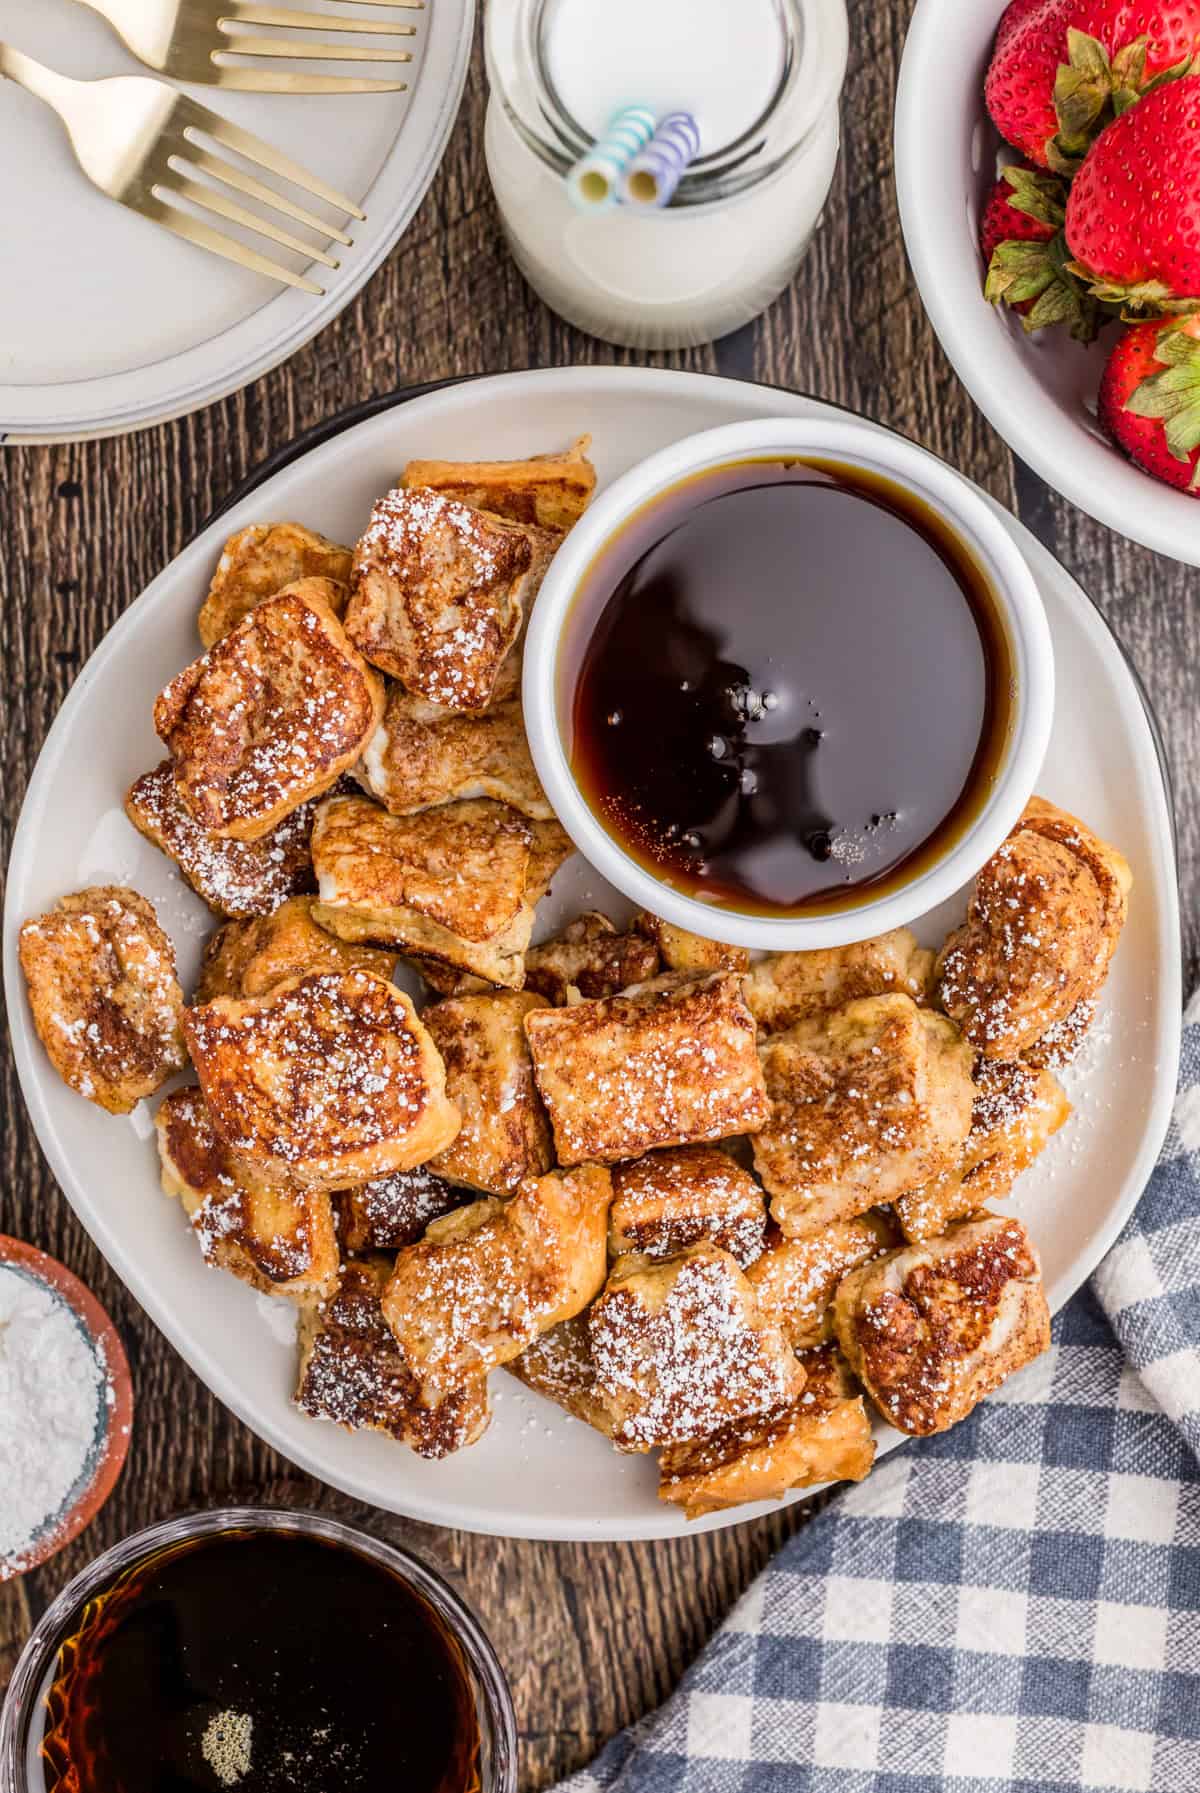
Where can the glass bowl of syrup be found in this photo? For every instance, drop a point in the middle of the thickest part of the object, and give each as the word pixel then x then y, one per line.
pixel 266 1649
pixel 788 684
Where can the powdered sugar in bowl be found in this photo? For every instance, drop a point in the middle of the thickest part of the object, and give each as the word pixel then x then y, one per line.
pixel 65 1407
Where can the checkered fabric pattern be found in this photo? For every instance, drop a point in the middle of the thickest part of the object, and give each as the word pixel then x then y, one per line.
pixel 1013 1606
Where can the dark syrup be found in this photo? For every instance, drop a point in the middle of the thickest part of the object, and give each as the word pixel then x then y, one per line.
pixel 798 690
pixel 349 1678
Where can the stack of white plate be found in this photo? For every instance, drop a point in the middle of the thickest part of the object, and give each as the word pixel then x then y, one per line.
pixel 108 324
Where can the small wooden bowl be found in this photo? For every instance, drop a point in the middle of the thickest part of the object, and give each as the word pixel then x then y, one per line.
pixel 106 1461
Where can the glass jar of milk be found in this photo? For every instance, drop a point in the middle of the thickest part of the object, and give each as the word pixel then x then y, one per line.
pixel 761 78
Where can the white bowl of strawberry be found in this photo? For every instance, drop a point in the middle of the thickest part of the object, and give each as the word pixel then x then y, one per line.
pixel 1048 171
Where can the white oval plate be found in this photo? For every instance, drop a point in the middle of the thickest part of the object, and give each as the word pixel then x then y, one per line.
pixel 1039 392
pixel 108 324
pixel 538 1473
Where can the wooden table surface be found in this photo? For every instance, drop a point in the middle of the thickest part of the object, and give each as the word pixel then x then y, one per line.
pixel 592 1635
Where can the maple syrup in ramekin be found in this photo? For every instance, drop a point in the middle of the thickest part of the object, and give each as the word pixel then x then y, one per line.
pixel 797 689
pixel 279 1654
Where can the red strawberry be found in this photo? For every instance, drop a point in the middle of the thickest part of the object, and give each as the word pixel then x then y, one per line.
pixel 1133 217
pixel 1062 69
pixel 1021 241
pixel 1150 400
pixel 1013 15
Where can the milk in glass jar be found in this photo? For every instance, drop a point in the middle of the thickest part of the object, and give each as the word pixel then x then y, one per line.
pixel 760 78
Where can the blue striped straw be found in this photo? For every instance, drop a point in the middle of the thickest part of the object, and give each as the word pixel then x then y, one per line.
pixel 593 181
pixel 649 180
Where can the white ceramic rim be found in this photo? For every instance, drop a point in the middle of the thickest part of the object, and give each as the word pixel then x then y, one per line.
pixel 465 397
pixel 1018 599
pixel 1071 460
pixel 115 404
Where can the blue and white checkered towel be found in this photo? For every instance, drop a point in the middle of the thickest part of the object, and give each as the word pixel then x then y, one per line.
pixel 1010 1607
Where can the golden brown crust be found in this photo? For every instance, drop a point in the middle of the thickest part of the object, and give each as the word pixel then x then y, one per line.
pixel 589 957
pixel 796 1279
pixel 931 1329
pixel 353 1373
pixel 269 717
pixel 326 1082
pixel 237 878
pixel 248 958
pixel 505 1136
pixel 1017 1110
pixel 280 1241
pixel 868 1100
pixel 419 757
pixel 558 1364
pixel 666 1065
pixel 486 1280
pixel 681 1349
pixel 784 988
pixel 439 592
pixel 684 951
pixel 449 884
pixel 672 1198
pixel 550 490
pixel 823 1436
pixel 260 560
pixel 392 1211
pixel 1041 929
pixel 104 996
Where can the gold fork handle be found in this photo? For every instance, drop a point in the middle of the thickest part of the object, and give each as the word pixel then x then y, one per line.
pixel 45 82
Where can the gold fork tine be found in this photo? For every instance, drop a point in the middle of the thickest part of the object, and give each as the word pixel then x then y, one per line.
pixel 235 44
pixel 246 80
pixel 246 144
pixel 209 200
pixel 249 14
pixel 182 224
pixel 245 183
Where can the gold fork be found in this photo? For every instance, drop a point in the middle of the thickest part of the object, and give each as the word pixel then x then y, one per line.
pixel 141 142
pixel 185 38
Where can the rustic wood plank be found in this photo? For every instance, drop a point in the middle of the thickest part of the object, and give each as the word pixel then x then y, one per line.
pixel 593 1635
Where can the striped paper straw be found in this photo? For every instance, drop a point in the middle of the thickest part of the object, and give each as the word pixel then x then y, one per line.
pixel 594 180
pixel 650 178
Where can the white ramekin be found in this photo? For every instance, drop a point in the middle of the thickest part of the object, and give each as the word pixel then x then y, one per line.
pixel 1018 602
pixel 1039 392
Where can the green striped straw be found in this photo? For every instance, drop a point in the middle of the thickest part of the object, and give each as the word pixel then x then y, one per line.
pixel 594 180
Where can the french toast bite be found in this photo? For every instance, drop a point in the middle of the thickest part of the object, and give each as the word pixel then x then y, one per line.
pixel 421 756
pixel 486 1280
pixel 353 1372
pixel 784 988
pixel 673 1198
pixel 439 594
pixel 867 1101
pixel 248 958
pixel 280 1241
pixel 796 1279
pixel 929 1330
pixel 1018 1108
pixel 670 1063
pixel 105 999
pixel 680 1348
pixel 558 1364
pixel 269 717
pixel 392 1211
pixel 1021 975
pixel 260 560
pixel 237 878
pixel 505 1136
pixel 684 951
pixel 449 884
pixel 590 957
pixel 824 1435
pixel 325 1082
pixel 550 490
